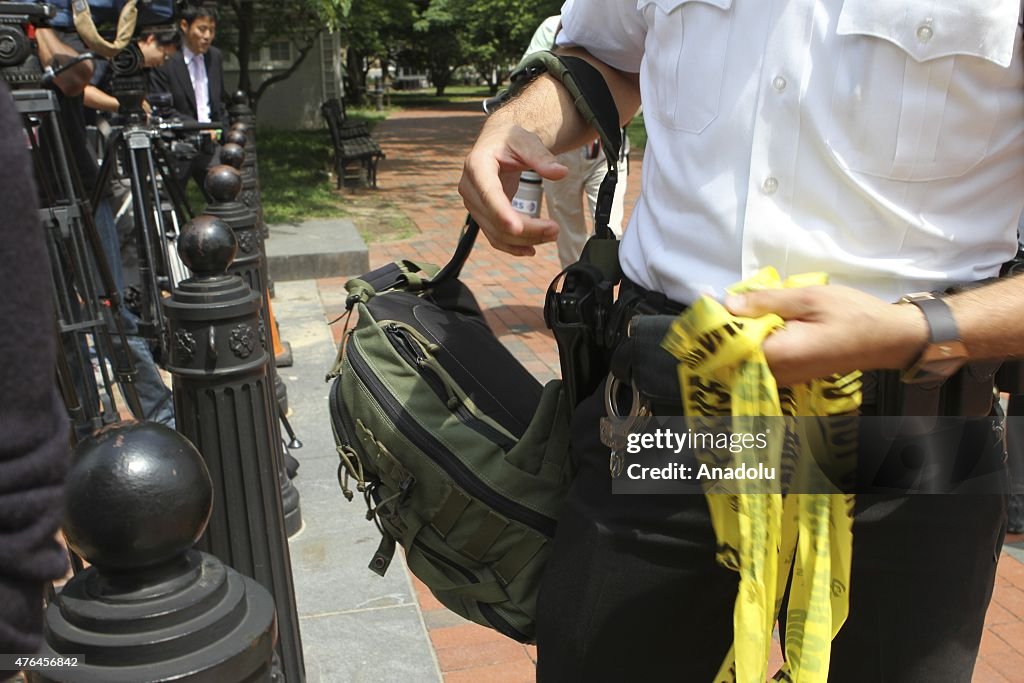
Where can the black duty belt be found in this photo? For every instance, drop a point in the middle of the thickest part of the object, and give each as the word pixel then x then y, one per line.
pixel 638 362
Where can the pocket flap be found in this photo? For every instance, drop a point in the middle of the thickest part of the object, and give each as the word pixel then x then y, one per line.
pixel 929 30
pixel 667 6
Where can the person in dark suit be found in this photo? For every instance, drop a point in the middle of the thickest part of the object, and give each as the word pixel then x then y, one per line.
pixel 194 77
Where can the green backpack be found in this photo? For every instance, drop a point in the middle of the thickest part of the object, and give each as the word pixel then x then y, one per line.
pixel 459 452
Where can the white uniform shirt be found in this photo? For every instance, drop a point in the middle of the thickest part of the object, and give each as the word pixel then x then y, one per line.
pixel 880 141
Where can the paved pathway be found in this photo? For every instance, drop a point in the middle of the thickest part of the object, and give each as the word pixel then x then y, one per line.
pixel 425 149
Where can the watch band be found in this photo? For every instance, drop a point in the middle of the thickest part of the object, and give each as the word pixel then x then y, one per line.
pixel 944 353
pixel 941 324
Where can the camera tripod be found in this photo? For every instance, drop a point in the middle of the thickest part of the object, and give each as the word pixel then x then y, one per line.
pixel 146 163
pixel 86 301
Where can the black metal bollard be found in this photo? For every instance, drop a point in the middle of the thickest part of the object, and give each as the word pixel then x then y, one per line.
pixel 223 402
pixel 239 109
pixel 150 608
pixel 250 176
pixel 223 184
pixel 243 133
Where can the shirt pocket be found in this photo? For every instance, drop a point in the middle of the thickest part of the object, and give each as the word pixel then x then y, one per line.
pixel 916 85
pixel 685 48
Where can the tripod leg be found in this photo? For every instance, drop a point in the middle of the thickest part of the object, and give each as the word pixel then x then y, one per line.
pixel 293 441
pixel 86 300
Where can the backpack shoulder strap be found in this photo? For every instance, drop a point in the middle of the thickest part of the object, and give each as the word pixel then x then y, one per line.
pixel 594 101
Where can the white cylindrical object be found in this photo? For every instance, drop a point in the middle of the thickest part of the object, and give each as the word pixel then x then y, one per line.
pixel 530 194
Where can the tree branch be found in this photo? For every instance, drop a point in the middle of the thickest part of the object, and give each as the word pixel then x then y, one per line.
pixel 287 73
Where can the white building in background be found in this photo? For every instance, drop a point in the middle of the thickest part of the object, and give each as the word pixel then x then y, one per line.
pixel 295 102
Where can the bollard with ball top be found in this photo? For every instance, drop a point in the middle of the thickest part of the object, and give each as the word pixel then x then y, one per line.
pixel 239 109
pixel 223 184
pixel 150 608
pixel 250 174
pixel 223 400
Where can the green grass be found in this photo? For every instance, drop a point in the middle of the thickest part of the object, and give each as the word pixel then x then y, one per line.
pixel 295 176
pixel 417 99
pixel 637 133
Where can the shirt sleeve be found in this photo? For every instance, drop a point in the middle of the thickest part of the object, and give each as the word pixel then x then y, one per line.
pixel 614 31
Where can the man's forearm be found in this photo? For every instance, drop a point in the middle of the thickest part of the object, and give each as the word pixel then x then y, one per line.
pixel 94 98
pixel 73 81
pixel 991 319
pixel 546 109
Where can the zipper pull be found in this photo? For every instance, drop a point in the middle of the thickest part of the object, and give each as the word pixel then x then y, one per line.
pixel 402 337
pixel 382 558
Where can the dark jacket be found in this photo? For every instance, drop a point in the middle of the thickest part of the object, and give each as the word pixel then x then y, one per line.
pixel 173 78
pixel 33 422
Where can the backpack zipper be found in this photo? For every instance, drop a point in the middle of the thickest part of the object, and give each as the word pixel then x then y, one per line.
pixel 440 455
pixel 493 617
pixel 410 351
pixel 489 613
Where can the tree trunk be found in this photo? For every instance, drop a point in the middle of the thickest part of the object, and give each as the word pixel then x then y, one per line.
pixel 440 77
pixel 244 12
pixel 356 91
pixel 385 76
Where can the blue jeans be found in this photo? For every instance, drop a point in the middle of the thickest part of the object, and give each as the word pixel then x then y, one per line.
pixel 155 397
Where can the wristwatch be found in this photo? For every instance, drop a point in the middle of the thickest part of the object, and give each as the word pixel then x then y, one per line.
pixel 945 353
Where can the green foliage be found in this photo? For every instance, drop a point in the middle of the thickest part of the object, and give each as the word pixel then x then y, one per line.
pixel 438 36
pixel 332 12
pixel 499 31
pixel 637 133
pixel 248 25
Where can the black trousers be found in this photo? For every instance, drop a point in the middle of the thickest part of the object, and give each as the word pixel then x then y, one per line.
pixel 197 167
pixel 632 591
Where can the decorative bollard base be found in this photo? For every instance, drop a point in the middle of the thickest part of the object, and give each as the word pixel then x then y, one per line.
pixel 198 620
pixel 149 608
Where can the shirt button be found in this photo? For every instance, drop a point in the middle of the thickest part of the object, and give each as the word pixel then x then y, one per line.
pixel 770 185
pixel 779 83
pixel 924 33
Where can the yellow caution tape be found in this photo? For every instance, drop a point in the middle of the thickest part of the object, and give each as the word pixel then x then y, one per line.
pixel 763 533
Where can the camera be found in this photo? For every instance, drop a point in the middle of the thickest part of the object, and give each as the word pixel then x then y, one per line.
pixel 18 63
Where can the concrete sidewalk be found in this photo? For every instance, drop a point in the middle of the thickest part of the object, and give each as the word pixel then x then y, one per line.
pixel 359 627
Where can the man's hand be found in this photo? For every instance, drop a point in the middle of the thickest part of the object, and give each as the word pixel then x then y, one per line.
pixel 490 177
pixel 524 135
pixel 833 329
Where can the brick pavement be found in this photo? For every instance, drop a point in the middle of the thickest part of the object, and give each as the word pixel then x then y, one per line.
pixel 425 150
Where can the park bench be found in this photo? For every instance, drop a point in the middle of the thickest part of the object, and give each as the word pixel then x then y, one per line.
pixel 352 143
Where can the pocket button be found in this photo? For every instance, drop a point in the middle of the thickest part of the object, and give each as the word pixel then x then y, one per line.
pixel 924 33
